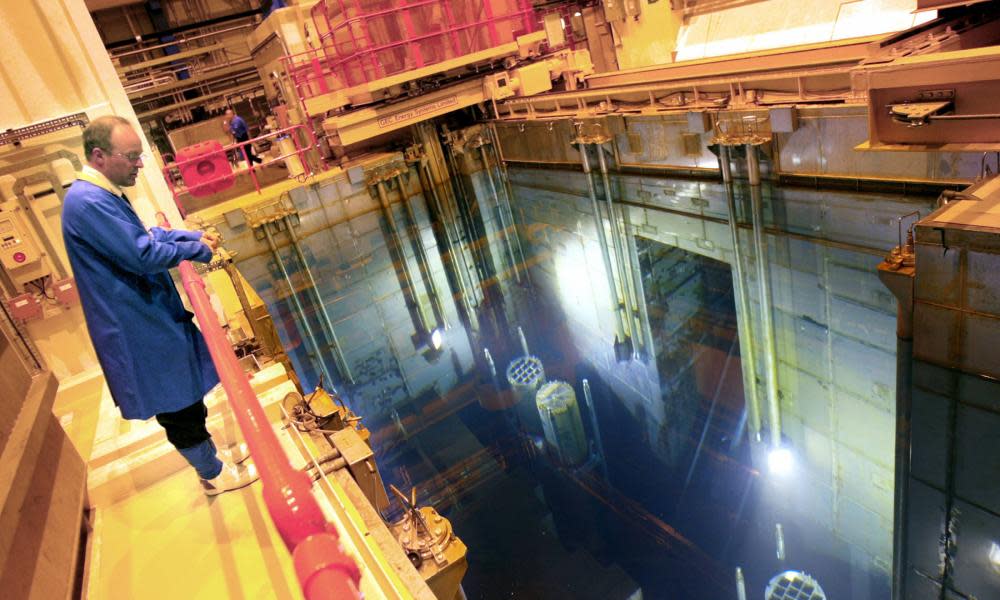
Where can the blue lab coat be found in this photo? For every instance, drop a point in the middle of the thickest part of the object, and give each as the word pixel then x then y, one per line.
pixel 154 358
pixel 238 127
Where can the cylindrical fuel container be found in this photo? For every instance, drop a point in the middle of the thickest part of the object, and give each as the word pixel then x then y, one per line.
pixel 525 374
pixel 561 423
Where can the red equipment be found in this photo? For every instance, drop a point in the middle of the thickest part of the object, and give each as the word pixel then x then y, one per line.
pixel 205 168
pixel 25 307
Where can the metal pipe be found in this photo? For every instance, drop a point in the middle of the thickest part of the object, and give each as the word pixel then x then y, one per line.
pixel 743 325
pixel 764 287
pixel 324 317
pixel 628 276
pixel 725 168
pixel 602 240
pixel 508 194
pixel 451 258
pixel 492 366
pixel 616 240
pixel 524 342
pixel 639 289
pixel 180 41
pixel 588 398
pixel 901 512
pixel 394 241
pixel 453 208
pixel 420 253
pixel 481 259
pixel 488 171
pixel 312 346
pixel 403 270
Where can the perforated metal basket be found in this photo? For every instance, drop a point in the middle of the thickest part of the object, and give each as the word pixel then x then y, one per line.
pixel 794 585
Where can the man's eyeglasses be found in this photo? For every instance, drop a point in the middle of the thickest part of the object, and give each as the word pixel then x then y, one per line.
pixel 132 157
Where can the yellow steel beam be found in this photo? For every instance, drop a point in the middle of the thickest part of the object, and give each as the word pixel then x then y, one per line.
pixel 150 114
pixel 153 62
pixel 339 98
pixel 210 76
pixel 366 123
pixel 844 53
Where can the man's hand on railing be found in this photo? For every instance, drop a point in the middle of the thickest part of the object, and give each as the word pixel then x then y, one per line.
pixel 210 239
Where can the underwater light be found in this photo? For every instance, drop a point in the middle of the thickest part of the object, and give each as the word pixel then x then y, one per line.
pixel 780 461
pixel 995 556
pixel 437 339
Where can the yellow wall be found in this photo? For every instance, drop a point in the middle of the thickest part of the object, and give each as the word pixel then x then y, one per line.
pixel 662 35
pixel 55 64
pixel 782 23
pixel 650 40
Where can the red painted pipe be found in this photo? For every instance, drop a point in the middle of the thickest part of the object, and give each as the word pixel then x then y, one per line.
pixel 324 570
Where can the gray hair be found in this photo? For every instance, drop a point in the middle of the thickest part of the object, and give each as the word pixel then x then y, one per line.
pixel 98 133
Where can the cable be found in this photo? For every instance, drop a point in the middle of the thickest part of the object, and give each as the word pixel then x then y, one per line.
pixel 39 284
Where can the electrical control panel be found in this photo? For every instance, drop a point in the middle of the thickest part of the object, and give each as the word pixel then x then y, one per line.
pixel 17 248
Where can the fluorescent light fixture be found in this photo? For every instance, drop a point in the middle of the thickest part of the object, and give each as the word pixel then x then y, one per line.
pixel 780 461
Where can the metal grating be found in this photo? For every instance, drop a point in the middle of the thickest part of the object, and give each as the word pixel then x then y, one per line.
pixel 794 585
pixel 14 136
pixel 526 370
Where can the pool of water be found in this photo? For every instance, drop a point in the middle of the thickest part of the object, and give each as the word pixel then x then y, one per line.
pixel 676 492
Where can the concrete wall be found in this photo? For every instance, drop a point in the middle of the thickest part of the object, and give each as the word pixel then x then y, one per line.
pixel 955 415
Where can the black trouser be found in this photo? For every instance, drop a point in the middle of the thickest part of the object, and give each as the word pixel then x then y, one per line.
pixel 186 427
pixel 250 155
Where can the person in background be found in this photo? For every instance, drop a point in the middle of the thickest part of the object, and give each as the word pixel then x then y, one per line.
pixel 154 358
pixel 269 6
pixel 236 126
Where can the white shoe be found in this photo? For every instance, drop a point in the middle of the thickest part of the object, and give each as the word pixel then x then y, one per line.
pixel 234 454
pixel 232 477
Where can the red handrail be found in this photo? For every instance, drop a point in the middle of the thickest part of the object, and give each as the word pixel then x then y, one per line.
pixel 323 569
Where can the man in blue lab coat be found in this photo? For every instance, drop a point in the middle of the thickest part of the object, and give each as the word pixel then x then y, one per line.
pixel 154 359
